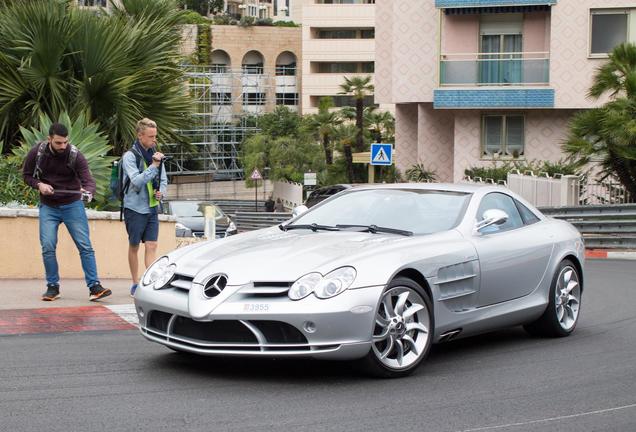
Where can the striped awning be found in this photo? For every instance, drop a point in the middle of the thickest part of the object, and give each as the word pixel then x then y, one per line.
pixel 496 9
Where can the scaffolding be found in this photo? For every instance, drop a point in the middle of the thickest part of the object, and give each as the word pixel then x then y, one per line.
pixel 228 103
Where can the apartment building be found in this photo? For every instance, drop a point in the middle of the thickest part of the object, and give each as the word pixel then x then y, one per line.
pixel 477 81
pixel 338 39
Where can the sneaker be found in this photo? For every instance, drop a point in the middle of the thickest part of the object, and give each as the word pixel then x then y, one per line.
pixel 98 292
pixel 52 292
pixel 133 288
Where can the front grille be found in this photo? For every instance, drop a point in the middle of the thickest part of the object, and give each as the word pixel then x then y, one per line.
pixel 223 335
pixel 159 320
pixel 267 289
pixel 222 331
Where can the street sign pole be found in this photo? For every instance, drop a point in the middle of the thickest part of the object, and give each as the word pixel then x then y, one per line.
pixel 256 176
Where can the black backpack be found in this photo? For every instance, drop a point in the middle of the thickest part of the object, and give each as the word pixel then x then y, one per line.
pixel 120 182
pixel 72 158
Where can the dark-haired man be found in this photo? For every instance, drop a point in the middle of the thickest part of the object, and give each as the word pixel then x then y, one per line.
pixel 60 172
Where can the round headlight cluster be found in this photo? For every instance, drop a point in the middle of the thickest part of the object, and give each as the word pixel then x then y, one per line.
pixel 323 287
pixel 159 274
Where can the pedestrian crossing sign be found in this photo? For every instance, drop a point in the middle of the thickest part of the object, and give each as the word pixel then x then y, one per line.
pixel 381 154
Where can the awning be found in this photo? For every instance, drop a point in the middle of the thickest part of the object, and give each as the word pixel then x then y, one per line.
pixel 497 9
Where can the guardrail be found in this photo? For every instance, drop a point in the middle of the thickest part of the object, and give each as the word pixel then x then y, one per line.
pixel 609 226
pixel 250 221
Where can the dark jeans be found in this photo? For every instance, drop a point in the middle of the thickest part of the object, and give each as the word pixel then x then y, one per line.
pixel 73 215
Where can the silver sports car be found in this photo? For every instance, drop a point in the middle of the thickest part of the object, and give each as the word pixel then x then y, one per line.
pixel 376 273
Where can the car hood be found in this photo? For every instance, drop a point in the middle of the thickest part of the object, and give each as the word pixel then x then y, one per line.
pixel 272 255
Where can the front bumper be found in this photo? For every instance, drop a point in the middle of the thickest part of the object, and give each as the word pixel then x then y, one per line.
pixel 262 325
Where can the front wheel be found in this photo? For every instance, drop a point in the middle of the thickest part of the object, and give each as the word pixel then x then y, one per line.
pixel 562 313
pixel 403 330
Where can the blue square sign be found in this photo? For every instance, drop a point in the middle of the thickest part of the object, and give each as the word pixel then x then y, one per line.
pixel 381 154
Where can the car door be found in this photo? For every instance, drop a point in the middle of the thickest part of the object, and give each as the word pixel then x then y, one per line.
pixel 513 257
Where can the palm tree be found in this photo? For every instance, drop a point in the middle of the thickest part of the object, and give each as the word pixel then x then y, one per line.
pixel 113 69
pixel 323 124
pixel 359 88
pixel 381 124
pixel 608 133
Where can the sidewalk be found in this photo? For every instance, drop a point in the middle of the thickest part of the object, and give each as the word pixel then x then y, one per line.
pixel 27 293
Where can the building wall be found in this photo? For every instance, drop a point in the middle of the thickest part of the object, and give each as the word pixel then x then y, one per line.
pixel 270 42
pixel 544 133
pixel 407 47
pixel 435 140
pixel 332 50
pixel 571 68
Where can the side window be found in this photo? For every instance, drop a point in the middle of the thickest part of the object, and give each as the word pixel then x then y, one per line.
pixel 528 217
pixel 503 202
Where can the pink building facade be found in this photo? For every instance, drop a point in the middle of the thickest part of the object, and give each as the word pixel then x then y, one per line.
pixel 478 81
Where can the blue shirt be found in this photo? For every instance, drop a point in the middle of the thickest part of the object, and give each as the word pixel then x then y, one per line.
pixel 136 198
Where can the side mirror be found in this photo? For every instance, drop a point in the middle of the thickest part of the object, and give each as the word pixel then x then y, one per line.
pixel 298 210
pixel 492 217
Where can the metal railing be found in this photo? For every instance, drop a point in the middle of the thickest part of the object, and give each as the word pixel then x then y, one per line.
pixel 250 221
pixel 602 226
pixel 496 69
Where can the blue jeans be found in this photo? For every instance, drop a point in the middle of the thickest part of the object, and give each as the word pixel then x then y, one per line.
pixel 73 216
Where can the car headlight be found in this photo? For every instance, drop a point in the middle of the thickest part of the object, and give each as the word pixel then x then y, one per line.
pixel 323 287
pixel 159 273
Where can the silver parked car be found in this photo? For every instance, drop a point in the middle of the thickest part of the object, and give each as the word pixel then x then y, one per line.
pixel 377 273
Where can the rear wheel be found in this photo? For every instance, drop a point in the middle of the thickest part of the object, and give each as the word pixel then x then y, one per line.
pixel 403 330
pixel 562 313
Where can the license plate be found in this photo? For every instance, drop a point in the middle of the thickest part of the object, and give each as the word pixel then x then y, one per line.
pixel 255 307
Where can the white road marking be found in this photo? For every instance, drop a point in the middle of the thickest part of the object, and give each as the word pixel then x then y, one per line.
pixel 127 312
pixel 509 425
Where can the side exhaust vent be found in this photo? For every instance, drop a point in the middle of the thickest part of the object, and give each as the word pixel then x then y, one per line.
pixel 449 335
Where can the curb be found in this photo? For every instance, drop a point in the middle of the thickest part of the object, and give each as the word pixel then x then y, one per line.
pixel 610 254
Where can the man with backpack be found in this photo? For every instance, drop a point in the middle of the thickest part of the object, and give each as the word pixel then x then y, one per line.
pixel 144 185
pixel 60 172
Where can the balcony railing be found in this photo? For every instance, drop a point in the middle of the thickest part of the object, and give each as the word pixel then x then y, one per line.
pixel 495 69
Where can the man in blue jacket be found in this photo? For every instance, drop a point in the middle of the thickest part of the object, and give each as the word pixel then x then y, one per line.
pixel 143 165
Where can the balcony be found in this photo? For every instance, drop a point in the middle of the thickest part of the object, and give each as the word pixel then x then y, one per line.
pixel 495 69
pixel 443 4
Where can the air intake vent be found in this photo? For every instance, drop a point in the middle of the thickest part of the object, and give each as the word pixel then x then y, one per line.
pixel 215 285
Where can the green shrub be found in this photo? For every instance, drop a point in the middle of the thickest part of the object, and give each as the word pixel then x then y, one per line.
pixel 285 24
pixel 419 173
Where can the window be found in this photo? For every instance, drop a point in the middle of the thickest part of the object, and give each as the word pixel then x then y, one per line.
pixel 610 27
pixel 503 135
pixel 528 217
pixel 343 67
pixel 344 33
pixel 290 99
pixel 254 99
pixel 221 98
pixel 345 1
pixel 502 202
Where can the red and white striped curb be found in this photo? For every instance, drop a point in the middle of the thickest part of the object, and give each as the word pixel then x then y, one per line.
pixel 610 254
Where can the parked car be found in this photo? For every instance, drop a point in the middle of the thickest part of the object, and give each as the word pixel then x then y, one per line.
pixel 323 193
pixel 378 273
pixel 191 218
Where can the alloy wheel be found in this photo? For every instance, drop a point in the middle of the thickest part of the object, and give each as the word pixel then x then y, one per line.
pixel 567 297
pixel 402 328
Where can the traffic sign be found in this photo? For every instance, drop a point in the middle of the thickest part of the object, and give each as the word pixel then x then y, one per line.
pixel 381 154
pixel 310 179
pixel 256 175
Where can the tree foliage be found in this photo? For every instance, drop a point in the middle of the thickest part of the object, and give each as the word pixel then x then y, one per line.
pixel 111 69
pixel 608 133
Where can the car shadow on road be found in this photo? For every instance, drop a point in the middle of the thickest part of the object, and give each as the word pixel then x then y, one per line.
pixel 309 371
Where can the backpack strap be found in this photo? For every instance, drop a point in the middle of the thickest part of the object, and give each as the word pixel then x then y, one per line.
pixel 72 158
pixel 70 162
pixel 38 159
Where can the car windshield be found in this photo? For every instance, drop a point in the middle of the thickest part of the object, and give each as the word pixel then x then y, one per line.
pixel 415 210
pixel 192 209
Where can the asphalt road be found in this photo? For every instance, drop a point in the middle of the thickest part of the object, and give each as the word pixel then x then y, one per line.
pixel 503 381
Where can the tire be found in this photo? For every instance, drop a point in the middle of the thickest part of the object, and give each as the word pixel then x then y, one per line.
pixel 562 314
pixel 403 330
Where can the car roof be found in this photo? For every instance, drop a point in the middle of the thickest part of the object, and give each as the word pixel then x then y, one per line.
pixel 449 187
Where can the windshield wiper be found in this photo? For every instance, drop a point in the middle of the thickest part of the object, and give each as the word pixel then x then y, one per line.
pixel 374 229
pixel 314 227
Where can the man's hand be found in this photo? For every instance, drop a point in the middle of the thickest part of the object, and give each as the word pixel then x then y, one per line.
pixel 86 195
pixel 45 189
pixel 158 195
pixel 156 159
